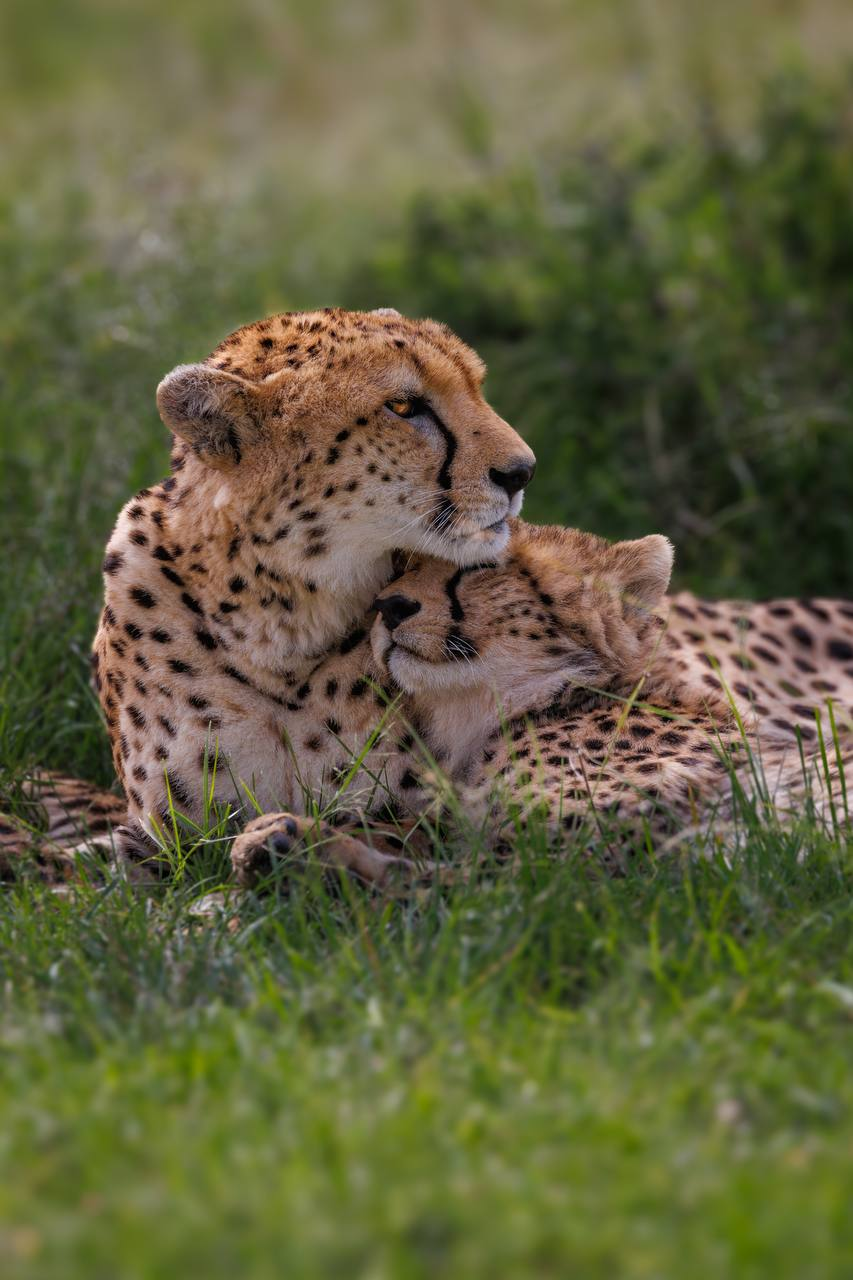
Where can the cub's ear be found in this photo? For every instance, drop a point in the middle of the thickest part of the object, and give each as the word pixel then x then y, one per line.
pixel 213 410
pixel 642 569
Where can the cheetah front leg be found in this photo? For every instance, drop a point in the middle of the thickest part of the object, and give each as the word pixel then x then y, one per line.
pixel 284 841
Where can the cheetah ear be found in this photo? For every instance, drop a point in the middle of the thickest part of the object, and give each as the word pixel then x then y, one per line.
pixel 642 569
pixel 211 409
pixel 386 311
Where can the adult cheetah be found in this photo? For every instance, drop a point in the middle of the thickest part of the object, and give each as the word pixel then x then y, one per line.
pixel 307 448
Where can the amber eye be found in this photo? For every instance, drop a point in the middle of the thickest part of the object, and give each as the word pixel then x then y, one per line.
pixel 405 408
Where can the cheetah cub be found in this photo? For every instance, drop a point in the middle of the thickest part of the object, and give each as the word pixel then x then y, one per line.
pixel 540 685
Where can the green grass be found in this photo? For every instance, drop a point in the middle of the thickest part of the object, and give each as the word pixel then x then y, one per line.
pixel 543 1074
pixel 644 222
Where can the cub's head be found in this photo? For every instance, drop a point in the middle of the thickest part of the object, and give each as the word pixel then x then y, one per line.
pixel 564 608
pixel 333 431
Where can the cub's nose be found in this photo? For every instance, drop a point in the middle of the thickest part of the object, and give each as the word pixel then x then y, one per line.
pixel 516 477
pixel 396 609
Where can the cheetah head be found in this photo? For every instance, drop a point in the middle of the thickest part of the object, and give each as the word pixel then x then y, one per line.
pixel 564 610
pixel 334 434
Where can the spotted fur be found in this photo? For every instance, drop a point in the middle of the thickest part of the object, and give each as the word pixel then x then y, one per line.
pixel 549 685
pixel 307 447
pixel 782 661
pixel 59 817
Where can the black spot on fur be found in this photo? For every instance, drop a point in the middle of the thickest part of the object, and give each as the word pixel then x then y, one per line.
pixel 349 642
pixel 802 635
pixel 143 597
pixel 178 788
pixel 191 603
pixel 181 668
pixel 236 675
pixel 784 724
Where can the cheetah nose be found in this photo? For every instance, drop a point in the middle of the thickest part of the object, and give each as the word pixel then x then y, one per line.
pixel 396 609
pixel 516 477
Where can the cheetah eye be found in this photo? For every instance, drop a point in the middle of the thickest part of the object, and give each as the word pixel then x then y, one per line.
pixel 408 407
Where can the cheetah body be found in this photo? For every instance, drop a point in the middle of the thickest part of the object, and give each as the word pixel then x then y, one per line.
pixel 306 448
pixel 560 683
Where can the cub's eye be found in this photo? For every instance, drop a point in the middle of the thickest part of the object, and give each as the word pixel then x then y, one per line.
pixel 409 407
